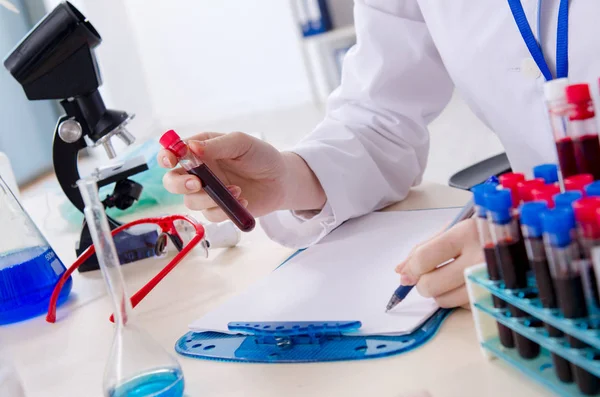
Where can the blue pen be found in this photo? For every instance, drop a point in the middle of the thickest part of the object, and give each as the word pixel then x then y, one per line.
pixel 467 211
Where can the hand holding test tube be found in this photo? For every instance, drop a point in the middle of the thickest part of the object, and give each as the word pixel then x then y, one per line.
pixel 210 183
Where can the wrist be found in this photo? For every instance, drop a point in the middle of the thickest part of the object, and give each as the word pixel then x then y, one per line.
pixel 302 189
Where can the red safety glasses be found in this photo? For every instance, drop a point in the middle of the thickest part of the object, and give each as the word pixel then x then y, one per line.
pixel 170 227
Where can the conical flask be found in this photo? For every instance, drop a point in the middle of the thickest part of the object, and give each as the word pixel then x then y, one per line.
pixel 29 267
pixel 137 366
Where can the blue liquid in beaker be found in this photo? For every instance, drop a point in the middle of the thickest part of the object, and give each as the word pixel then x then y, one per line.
pixel 159 383
pixel 27 278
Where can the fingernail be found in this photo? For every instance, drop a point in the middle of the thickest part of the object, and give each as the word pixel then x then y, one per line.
pixel 399 268
pixel 192 184
pixel 235 190
pixel 197 147
pixel 166 162
pixel 407 280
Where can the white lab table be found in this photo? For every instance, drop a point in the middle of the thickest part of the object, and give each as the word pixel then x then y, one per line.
pixel 67 358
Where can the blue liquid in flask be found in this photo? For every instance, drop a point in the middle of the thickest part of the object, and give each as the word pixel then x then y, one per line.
pixel 27 278
pixel 159 383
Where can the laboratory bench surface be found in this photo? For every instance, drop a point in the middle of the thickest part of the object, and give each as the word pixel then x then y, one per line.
pixel 68 358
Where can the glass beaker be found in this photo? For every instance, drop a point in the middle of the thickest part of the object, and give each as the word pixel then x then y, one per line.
pixel 137 366
pixel 29 267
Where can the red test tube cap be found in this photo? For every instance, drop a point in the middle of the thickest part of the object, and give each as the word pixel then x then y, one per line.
pixel 525 188
pixel 580 99
pixel 586 214
pixel 586 209
pixel 578 182
pixel 577 93
pixel 545 193
pixel 169 140
pixel 510 180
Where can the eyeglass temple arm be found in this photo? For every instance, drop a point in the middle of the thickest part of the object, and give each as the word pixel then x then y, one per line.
pixel 51 315
pixel 145 290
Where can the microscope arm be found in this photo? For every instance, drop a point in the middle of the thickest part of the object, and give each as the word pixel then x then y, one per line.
pixel 64 157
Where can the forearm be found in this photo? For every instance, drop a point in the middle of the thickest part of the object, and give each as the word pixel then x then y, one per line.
pixel 302 188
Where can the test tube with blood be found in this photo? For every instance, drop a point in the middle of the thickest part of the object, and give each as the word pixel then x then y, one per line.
pixel 211 184
pixel 512 257
pixel 505 334
pixel 583 129
pixel 588 235
pixel 562 253
pixel 558 113
pixel 531 225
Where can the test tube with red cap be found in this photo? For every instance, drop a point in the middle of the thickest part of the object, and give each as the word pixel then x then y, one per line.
pixel 558 112
pixel 545 193
pixel 491 257
pixel 562 254
pixel 531 225
pixel 588 233
pixel 583 129
pixel 512 257
pixel 578 182
pixel 525 188
pixel 211 184
pixel 510 181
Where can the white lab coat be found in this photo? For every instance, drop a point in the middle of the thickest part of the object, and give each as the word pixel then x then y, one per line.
pixel 410 55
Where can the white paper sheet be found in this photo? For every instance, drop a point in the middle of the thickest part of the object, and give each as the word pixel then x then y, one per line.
pixel 348 276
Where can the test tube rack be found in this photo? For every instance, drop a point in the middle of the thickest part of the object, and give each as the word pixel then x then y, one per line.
pixel 481 289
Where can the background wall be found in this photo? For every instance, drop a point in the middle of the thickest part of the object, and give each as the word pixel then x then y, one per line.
pixel 25 126
pixel 231 65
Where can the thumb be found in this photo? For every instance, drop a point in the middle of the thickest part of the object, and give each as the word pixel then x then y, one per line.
pixel 228 146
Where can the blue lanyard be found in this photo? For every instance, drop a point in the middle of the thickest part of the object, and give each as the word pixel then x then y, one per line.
pixel 562 38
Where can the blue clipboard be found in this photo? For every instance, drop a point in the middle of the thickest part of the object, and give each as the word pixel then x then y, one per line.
pixel 302 342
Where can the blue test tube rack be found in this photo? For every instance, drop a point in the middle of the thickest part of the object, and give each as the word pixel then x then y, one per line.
pixel 481 289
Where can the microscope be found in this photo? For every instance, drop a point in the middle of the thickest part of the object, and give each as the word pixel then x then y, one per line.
pixel 56 61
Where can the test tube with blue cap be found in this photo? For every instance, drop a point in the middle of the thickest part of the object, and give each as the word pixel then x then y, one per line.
pixel 531 225
pixel 593 189
pixel 562 252
pixel 485 238
pixel 566 199
pixel 512 257
pixel 547 172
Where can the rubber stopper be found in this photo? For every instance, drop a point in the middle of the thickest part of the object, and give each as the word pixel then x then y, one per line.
pixel 578 182
pixel 577 93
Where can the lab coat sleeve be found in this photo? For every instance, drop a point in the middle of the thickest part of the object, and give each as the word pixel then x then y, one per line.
pixel 373 143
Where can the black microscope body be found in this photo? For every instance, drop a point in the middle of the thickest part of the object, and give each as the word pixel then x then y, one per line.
pixel 56 60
